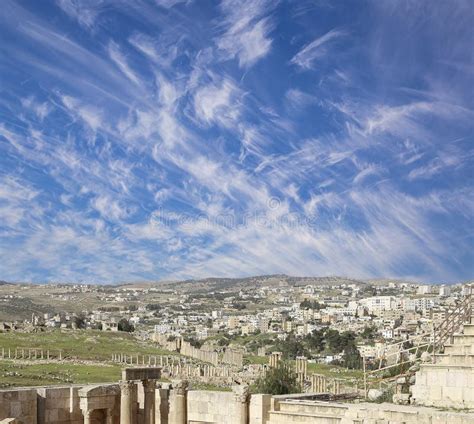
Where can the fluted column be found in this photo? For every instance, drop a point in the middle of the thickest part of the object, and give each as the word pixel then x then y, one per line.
pixel 126 398
pixel 241 397
pixel 178 407
pixel 149 404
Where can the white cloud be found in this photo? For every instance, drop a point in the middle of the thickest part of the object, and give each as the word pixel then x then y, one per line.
pixel 16 199
pixel 370 170
pixel 120 60
pixel 41 109
pixel 91 115
pixel 248 35
pixel 109 208
pixel 168 4
pixel 299 99
pixel 317 49
pixel 217 102
pixel 84 11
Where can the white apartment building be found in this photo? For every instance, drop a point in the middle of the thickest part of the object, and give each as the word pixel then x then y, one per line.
pixel 376 304
pixel 444 291
pixel 424 290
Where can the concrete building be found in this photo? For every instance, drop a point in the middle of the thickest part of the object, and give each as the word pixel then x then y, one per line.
pixel 376 304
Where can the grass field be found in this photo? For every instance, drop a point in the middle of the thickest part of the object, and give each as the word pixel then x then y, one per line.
pixel 335 371
pixel 323 369
pixel 81 344
pixel 41 374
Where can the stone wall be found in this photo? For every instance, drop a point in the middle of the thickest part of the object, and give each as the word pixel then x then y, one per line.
pixel 59 405
pixel 259 408
pixel 212 407
pixel 295 410
pixel 174 403
pixel 233 357
pixel 19 403
pixel 199 354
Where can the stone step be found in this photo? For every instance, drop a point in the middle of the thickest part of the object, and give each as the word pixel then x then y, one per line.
pixel 462 349
pixel 312 407
pixel 463 339
pixel 455 359
pixel 469 329
pixel 279 417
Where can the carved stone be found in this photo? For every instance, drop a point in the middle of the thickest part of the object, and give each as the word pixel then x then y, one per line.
pixel 241 393
pixel 180 387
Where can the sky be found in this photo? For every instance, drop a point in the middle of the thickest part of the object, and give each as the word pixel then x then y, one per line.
pixel 175 139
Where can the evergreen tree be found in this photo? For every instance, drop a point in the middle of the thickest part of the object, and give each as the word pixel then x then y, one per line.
pixel 351 357
pixel 281 380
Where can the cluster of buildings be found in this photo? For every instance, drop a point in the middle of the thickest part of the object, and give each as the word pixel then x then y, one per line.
pixel 393 311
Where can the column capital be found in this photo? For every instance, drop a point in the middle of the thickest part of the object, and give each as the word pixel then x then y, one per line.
pixel 180 386
pixel 149 386
pixel 126 386
pixel 241 393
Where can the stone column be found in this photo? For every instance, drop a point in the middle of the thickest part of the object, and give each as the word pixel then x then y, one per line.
pixel 87 417
pixel 274 359
pixel 161 405
pixel 126 395
pixel 149 387
pixel 178 407
pixel 242 396
pixel 109 418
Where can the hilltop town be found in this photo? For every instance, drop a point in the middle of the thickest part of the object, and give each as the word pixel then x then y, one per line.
pixel 331 320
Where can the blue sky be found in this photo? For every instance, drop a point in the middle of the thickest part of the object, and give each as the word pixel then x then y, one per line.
pixel 166 139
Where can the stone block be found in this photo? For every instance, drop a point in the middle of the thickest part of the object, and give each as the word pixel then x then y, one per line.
pixel 51 415
pixel 151 373
pixel 453 395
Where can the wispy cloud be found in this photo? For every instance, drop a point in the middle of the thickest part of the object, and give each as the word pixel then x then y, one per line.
pixel 84 11
pixel 366 172
pixel 164 142
pixel 317 49
pixel 91 115
pixel 120 60
pixel 248 35
pixel 217 102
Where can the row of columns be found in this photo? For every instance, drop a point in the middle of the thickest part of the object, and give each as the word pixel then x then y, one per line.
pixel 177 413
pixel 318 383
pixel 199 354
pixel 301 369
pixel 233 357
pixel 128 401
pixel 30 353
pixel 152 360
pixel 274 359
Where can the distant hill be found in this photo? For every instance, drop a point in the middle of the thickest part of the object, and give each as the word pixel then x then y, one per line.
pixel 276 280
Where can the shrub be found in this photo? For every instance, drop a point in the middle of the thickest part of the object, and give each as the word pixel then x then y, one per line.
pixel 281 380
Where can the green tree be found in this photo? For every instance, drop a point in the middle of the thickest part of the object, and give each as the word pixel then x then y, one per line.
pixel 79 321
pixel 369 333
pixel 281 380
pixel 153 307
pixel 125 325
pixel 292 347
pixel 351 357
pixel 308 304
pixel 315 340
